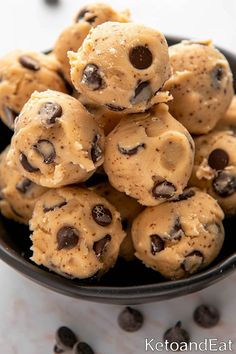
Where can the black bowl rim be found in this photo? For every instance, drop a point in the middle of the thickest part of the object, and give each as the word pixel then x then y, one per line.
pixel 117 294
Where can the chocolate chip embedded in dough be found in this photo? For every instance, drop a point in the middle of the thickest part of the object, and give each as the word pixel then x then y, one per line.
pixel 29 63
pixel 101 215
pixel 67 237
pixel 218 159
pixel 217 75
pixel 176 232
pixel 96 151
pixel 99 246
pixel 46 149
pixel 81 14
pixel 140 57
pixel 192 262
pixel 50 111
pixel 24 185
pixel 114 108
pixel 92 77
pixel 185 195
pixel 53 207
pixel 131 151
pixel 143 92
pixel 26 165
pixel 224 184
pixel 163 190
pixel 157 244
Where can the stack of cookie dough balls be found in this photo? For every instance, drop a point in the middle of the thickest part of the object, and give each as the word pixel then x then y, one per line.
pixel 159 123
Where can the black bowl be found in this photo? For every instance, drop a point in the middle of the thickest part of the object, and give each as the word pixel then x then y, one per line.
pixel 124 284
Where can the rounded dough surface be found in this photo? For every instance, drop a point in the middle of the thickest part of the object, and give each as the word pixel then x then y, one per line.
pixel 124 70
pixel 21 73
pixel 56 141
pixel 142 156
pixel 180 238
pixel 76 233
pixel 18 194
pixel 201 85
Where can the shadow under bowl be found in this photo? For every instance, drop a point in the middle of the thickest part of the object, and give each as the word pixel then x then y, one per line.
pixel 124 284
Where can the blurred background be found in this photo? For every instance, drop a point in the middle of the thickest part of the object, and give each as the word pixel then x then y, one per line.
pixel 30 314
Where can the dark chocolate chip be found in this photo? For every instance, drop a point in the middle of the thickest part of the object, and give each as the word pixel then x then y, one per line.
pixel 163 190
pixel 224 184
pixel 26 165
pixel 157 244
pixel 188 265
pixel 81 14
pixel 218 159
pixel 130 319
pixel 50 111
pixel 46 149
pixel 57 350
pixel 10 116
pixel 29 63
pixel 143 92
pixel 100 246
pixel 24 185
pixel 175 336
pixel 65 338
pixel 217 75
pixel 206 316
pixel 82 348
pixel 125 224
pixel 47 51
pixel 67 237
pixel 185 195
pixel 91 20
pixel 96 151
pixel 131 151
pixel 114 108
pixel 140 57
pixel 101 215
pixel 53 207
pixel 92 77
pixel 176 232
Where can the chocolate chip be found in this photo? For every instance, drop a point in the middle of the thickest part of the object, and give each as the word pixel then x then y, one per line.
pixel 92 77
pixel 57 350
pixel 26 165
pixel 140 57
pixel 217 75
pixel 206 316
pixel 46 149
pixel 130 319
pixel 157 244
pixel 218 159
pixel 114 108
pixel 53 207
pixel 176 232
pixel 82 348
pixel 224 184
pixel 163 190
pixel 91 20
pixel 29 63
pixel 143 92
pixel 65 338
pixel 101 215
pixel 96 151
pixel 131 151
pixel 10 116
pixel 125 224
pixel 24 185
pixel 67 237
pixel 47 51
pixel 175 336
pixel 185 195
pixel 50 111
pixel 81 14
pixel 99 246
pixel 192 262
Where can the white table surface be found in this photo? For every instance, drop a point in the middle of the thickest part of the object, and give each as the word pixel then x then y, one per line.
pixel 30 314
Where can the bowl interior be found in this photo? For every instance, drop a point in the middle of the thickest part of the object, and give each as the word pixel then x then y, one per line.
pixel 135 277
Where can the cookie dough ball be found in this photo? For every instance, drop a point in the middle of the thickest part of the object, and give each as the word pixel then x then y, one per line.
pixel 179 238
pixel 228 122
pixel 73 36
pixel 21 73
pixel 18 195
pixel 98 13
pixel 122 66
pixel 56 141
pixel 128 209
pixel 215 167
pixel 76 233
pixel 149 156
pixel 201 85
